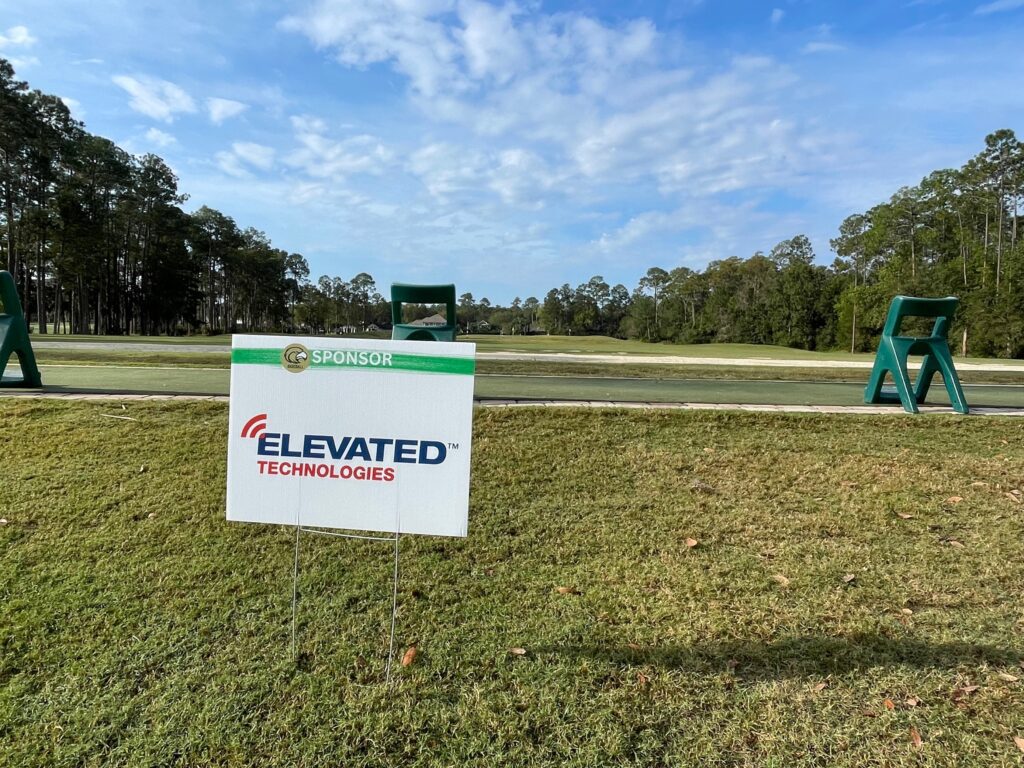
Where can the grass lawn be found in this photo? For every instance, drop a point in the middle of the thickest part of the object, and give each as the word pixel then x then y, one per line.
pixel 706 385
pixel 554 344
pixel 856 584
pixel 49 356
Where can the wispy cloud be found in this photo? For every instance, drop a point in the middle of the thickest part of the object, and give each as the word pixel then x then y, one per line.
pixel 160 138
pixel 998 6
pixel 256 155
pixel 223 109
pixel 243 157
pixel 819 46
pixel 158 99
pixel 16 37
pixel 74 106
pixel 777 14
pixel 322 156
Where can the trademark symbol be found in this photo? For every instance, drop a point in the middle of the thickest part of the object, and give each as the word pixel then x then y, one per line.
pixel 453 446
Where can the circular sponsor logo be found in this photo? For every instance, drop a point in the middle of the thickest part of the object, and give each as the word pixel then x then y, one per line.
pixel 295 358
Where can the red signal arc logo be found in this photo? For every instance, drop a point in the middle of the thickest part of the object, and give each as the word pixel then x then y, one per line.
pixel 255 426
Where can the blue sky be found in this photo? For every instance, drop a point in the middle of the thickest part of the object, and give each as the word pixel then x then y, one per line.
pixel 512 147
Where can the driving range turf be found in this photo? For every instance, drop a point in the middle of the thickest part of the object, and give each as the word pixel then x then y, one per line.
pixel 706 387
pixel 852 598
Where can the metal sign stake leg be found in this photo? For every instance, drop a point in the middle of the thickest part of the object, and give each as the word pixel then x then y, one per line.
pixel 394 589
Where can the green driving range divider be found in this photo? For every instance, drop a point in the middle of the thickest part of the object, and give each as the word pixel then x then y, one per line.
pixel 14 337
pixel 894 349
pixel 422 294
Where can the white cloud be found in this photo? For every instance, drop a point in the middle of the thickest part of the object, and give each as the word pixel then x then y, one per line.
pixel 230 163
pixel 74 106
pixel 819 46
pixel 447 170
pixel 777 14
pixel 158 99
pixel 16 36
pixel 21 64
pixel 256 155
pixel 490 42
pixel 243 157
pixel 323 157
pixel 376 31
pixel 998 6
pixel 158 137
pixel 224 109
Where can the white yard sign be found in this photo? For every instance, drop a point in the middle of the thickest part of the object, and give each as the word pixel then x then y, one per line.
pixel 336 433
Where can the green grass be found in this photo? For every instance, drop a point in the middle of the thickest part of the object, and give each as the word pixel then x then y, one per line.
pixel 560 344
pixel 140 628
pixel 121 358
pixel 551 367
pixel 700 389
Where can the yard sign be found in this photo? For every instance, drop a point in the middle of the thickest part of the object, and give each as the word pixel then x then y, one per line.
pixel 358 434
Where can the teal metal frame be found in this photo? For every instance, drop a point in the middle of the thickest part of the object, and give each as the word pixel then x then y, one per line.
pixel 402 293
pixel 14 338
pixel 894 349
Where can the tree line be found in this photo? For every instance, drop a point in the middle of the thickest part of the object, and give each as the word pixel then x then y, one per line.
pixel 98 242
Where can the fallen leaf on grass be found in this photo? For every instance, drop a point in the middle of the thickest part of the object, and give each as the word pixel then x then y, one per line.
pixel 699 485
pixel 1008 677
pixel 781 579
pixel 820 687
pixel 964 692
pixel 567 590
pixel 889 704
pixel 142 469
pixel 1019 742
pixel 517 651
pixel 1013 498
pixel 848 578
pixel 642 679
pixel 3 521
pixel 979 484
pixel 915 737
pixel 954 499
pixel 151 515
pixel 410 656
pixel 904 516
pixel 906 612
pixel 955 544
pixel 912 701
pixel 691 543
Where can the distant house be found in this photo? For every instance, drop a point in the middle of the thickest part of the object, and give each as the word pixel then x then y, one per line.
pixel 430 322
pixel 373 327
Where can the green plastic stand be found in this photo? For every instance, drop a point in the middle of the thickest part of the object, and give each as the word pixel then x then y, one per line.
pixel 402 293
pixel 14 337
pixel 894 349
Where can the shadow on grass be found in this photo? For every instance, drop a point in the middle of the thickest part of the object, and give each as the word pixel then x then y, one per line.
pixel 806 656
